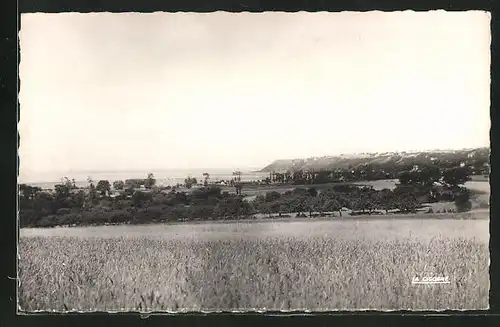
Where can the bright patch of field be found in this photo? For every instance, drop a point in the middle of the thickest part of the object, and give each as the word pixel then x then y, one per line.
pixel 483 187
pixel 480 178
pixel 478 183
pixel 380 184
pixel 317 265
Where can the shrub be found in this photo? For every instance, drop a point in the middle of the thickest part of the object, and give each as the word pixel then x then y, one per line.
pixel 147 215
pixel 47 221
pixel 118 185
pixel 139 199
pixel 312 191
pixel 272 196
pixel 63 211
pixel 27 218
pixel 70 219
pixel 120 217
pixel 463 207
pixel 201 211
pixel 462 201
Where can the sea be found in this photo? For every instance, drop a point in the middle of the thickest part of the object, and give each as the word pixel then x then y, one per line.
pixel 163 177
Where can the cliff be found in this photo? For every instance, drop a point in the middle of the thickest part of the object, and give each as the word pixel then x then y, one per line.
pixel 478 156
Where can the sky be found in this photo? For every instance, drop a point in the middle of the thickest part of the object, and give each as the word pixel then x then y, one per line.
pixel 132 91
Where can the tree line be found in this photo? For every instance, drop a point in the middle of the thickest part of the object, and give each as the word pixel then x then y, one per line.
pixel 70 205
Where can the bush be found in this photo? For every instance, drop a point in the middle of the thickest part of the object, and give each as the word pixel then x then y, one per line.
pixel 312 191
pixel 63 211
pixel 464 207
pixel 118 185
pixel 272 196
pixel 27 218
pixel 147 215
pixel 462 201
pixel 47 221
pixel 140 199
pixel 178 212
pixel 201 211
pixel 70 219
pixel 120 217
pixel 95 217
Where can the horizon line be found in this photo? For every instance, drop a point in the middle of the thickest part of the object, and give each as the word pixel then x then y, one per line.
pixel 252 169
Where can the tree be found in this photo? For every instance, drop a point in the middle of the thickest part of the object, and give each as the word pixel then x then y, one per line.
pixel 78 200
pixel 455 177
pixel 103 187
pixel 92 195
pixel 140 199
pixel 406 178
pixel 365 200
pixel 359 204
pixel 63 191
pixel 27 194
pixel 44 204
pixel 265 208
pixel 207 193
pixel 276 207
pixel 218 211
pixel 298 177
pixel 462 200
pixel 422 180
pixel 312 205
pixel 429 175
pixel 237 182
pixel 180 198
pixel 300 191
pixel 385 200
pixel 207 178
pixel 405 200
pixel 69 183
pixel 298 204
pixel 190 181
pixel 29 204
pixel 272 196
pixel 248 208
pixel 129 190
pixel 332 205
pixel 118 185
pixel 312 191
pixel 150 181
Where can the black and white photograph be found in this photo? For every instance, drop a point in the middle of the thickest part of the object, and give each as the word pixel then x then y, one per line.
pixel 244 162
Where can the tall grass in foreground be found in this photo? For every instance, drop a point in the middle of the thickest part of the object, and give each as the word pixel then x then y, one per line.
pixel 288 273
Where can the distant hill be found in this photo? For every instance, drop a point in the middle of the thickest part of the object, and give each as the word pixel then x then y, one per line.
pixel 478 155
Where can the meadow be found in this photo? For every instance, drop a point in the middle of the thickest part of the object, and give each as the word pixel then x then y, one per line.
pixel 299 265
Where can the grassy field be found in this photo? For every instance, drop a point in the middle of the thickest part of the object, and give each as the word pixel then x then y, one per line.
pixel 315 265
